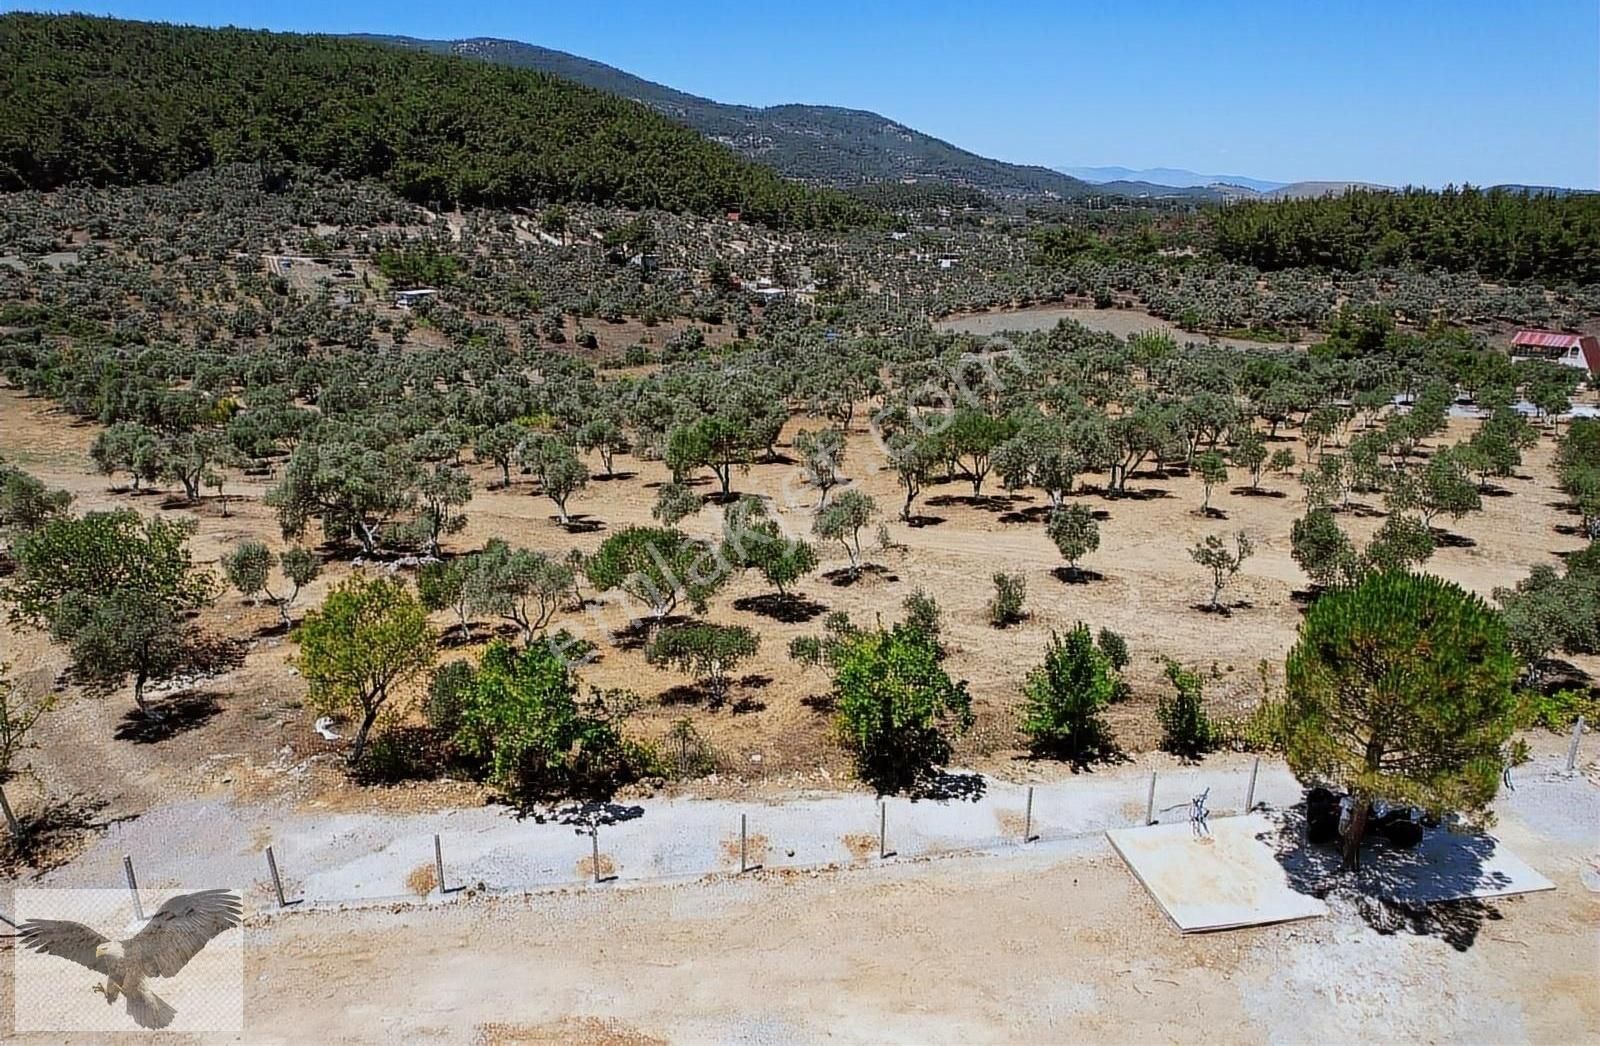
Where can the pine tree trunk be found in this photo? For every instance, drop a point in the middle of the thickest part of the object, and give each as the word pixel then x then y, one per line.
pixel 1352 837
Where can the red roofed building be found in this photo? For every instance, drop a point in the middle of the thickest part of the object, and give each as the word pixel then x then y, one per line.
pixel 1572 350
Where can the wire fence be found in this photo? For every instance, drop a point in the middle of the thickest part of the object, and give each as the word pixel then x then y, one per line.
pixel 610 843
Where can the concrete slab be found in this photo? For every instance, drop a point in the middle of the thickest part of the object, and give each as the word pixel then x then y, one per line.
pixel 1220 881
pixel 1446 866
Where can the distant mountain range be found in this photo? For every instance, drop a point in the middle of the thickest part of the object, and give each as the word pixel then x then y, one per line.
pixel 821 144
pixel 1176 177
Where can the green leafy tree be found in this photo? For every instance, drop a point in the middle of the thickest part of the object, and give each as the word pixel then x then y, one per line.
pixel 713 442
pixel 1010 592
pixel 1250 453
pixel 1063 699
pixel 26 503
pixel 820 455
pixel 1400 689
pixel 442 585
pixel 499 444
pixel 656 567
pixel 972 437
pixel 369 638
pixel 1322 549
pixel 1074 532
pixel 354 487
pixel 1212 469
pixel 442 492
pixel 709 653
pixel 115 590
pixel 557 468
pixel 675 502
pixel 897 707
pixel 605 437
pixel 522 720
pixel 913 459
pixel 518 584
pixel 1214 555
pixel 843 520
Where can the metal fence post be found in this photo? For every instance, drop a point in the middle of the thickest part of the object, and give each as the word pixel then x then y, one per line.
pixel 594 844
pixel 133 887
pixel 12 823
pixel 1150 801
pixel 1572 749
pixel 743 862
pixel 883 829
pixel 1027 818
pixel 438 863
pixel 1250 793
pixel 277 883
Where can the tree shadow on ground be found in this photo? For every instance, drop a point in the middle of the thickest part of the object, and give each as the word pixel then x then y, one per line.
pixel 983 502
pixel 272 631
pixel 1448 539
pixel 635 634
pixel 1491 490
pixel 1081 576
pixel 1142 494
pixel 944 786
pixel 822 704
pixel 1396 889
pixel 1257 492
pixel 1210 512
pixel 1031 514
pixel 454 637
pixel 845 576
pixel 578 523
pixel 1222 609
pixel 924 521
pixel 584 815
pixel 790 608
pixel 615 477
pixel 1103 753
pixel 168 718
pixel 55 834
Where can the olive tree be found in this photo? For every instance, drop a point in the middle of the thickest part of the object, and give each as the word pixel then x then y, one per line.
pixel 557 468
pixel 707 652
pixel 1223 562
pixel 1074 532
pixel 843 520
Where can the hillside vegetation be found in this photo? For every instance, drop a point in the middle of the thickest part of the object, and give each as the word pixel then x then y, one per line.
pixel 823 144
pixel 1497 233
pixel 117 102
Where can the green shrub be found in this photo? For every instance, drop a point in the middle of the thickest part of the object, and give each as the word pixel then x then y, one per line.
pixel 1064 697
pixel 1186 730
pixel 897 707
pixel 1556 712
pixel 447 696
pixel 1010 590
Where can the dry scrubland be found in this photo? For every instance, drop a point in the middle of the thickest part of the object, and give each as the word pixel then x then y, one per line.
pixel 247 726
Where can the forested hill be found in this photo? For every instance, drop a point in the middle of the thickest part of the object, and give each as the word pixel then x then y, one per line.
pixel 815 143
pixel 119 102
pixel 1497 233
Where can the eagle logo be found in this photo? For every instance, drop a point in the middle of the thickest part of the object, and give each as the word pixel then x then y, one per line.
pixel 162 947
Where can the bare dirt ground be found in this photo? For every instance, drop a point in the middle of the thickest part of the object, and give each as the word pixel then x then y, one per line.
pixel 1124 320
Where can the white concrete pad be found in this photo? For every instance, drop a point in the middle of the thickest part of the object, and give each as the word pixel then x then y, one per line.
pixel 1450 866
pixel 1219 881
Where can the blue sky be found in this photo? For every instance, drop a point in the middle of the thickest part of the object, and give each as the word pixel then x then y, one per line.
pixel 1417 91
